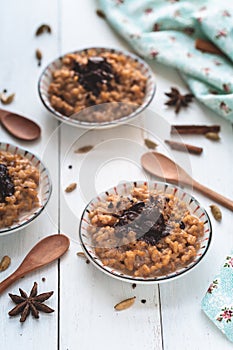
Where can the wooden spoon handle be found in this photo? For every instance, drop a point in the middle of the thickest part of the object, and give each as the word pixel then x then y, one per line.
pixel 8 281
pixel 228 203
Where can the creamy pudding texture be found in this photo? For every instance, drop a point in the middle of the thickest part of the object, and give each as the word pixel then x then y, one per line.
pixel 112 83
pixel 144 234
pixel 19 183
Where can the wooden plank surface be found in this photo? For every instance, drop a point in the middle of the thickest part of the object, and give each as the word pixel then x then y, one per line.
pixel 185 326
pixel 19 73
pixel 95 293
pixel 84 297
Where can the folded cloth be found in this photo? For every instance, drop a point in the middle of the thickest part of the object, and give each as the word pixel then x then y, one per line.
pixel 218 301
pixel 165 31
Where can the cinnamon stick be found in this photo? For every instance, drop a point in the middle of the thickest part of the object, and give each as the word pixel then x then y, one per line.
pixel 194 129
pixel 207 46
pixel 185 147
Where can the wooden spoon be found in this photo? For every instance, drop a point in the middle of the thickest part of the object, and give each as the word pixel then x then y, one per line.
pixel 19 126
pixel 163 167
pixel 43 253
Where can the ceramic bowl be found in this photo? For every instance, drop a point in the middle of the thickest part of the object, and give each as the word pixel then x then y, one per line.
pixel 124 189
pixel 44 190
pixel 46 79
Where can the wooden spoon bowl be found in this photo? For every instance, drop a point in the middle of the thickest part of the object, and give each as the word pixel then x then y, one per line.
pixel 164 168
pixel 43 253
pixel 20 127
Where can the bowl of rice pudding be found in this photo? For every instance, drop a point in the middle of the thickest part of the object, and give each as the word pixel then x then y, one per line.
pixel 25 188
pixel 145 232
pixel 96 87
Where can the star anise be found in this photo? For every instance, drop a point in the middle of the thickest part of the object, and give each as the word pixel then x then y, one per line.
pixel 32 303
pixel 178 100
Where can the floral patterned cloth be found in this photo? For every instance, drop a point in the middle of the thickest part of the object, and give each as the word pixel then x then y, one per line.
pixel 218 301
pixel 165 31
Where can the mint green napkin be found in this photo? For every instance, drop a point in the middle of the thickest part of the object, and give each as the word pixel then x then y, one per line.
pixel 218 301
pixel 165 31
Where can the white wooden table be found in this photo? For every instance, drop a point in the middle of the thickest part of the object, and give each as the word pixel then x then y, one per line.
pixel 84 297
